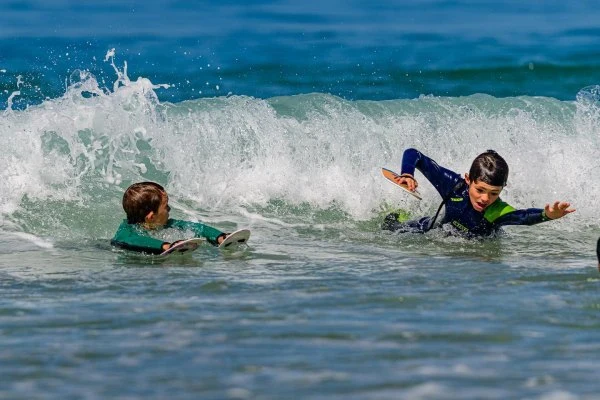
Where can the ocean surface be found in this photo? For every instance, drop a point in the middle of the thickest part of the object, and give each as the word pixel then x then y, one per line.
pixel 276 116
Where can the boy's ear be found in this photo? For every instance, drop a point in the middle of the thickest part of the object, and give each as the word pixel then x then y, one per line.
pixel 467 179
pixel 149 217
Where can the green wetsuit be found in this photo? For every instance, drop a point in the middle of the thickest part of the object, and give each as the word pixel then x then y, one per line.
pixel 137 238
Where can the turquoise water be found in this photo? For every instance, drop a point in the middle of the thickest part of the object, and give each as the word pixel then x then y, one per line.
pixel 276 116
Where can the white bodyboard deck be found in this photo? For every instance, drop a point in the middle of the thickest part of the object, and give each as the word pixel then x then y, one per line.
pixel 235 239
pixel 184 246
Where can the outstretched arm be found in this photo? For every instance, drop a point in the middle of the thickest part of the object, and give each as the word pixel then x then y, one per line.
pixel 532 216
pixel 213 235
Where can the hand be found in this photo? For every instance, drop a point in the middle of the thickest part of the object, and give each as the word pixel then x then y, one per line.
pixel 558 210
pixel 167 246
pixel 222 237
pixel 407 180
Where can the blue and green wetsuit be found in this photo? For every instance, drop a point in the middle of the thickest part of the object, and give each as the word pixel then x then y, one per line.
pixel 135 237
pixel 458 209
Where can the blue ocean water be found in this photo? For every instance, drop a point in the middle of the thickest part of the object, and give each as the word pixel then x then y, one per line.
pixel 356 50
pixel 276 116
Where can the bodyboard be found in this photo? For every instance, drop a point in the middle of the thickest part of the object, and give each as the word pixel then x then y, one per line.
pixel 184 246
pixel 235 239
pixel 392 176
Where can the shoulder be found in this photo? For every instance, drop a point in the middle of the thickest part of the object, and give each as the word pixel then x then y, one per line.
pixel 125 226
pixel 497 209
pixel 127 230
pixel 460 190
pixel 134 228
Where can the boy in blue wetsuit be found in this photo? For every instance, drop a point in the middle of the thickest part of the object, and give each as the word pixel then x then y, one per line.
pixel 472 205
pixel 147 207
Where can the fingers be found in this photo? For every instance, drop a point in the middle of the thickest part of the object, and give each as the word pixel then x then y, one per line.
pixel 222 237
pixel 407 181
pixel 411 184
pixel 563 207
pixel 552 210
pixel 558 209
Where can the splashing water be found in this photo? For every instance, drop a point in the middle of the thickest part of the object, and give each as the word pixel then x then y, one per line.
pixel 237 152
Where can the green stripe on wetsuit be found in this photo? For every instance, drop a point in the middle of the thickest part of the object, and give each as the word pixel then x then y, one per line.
pixel 496 210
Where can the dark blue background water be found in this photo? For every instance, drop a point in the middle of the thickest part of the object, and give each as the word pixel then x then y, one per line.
pixel 354 49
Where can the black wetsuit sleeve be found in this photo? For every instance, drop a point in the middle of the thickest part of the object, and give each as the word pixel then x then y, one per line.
pixel 441 178
pixel 529 216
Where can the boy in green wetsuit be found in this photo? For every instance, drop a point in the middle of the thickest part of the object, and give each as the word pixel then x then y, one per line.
pixel 147 207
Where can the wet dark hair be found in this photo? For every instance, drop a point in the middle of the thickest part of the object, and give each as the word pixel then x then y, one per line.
pixel 598 250
pixel 140 199
pixel 489 167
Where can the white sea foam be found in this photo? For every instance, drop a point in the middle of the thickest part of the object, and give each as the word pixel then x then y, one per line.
pixel 237 151
pixel 39 242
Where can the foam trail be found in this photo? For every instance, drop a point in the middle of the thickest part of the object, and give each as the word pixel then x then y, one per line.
pixel 39 242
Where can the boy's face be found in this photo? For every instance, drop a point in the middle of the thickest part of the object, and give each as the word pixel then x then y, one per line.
pixel 481 194
pixel 160 217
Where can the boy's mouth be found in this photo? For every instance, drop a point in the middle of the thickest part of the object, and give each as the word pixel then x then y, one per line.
pixel 480 206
